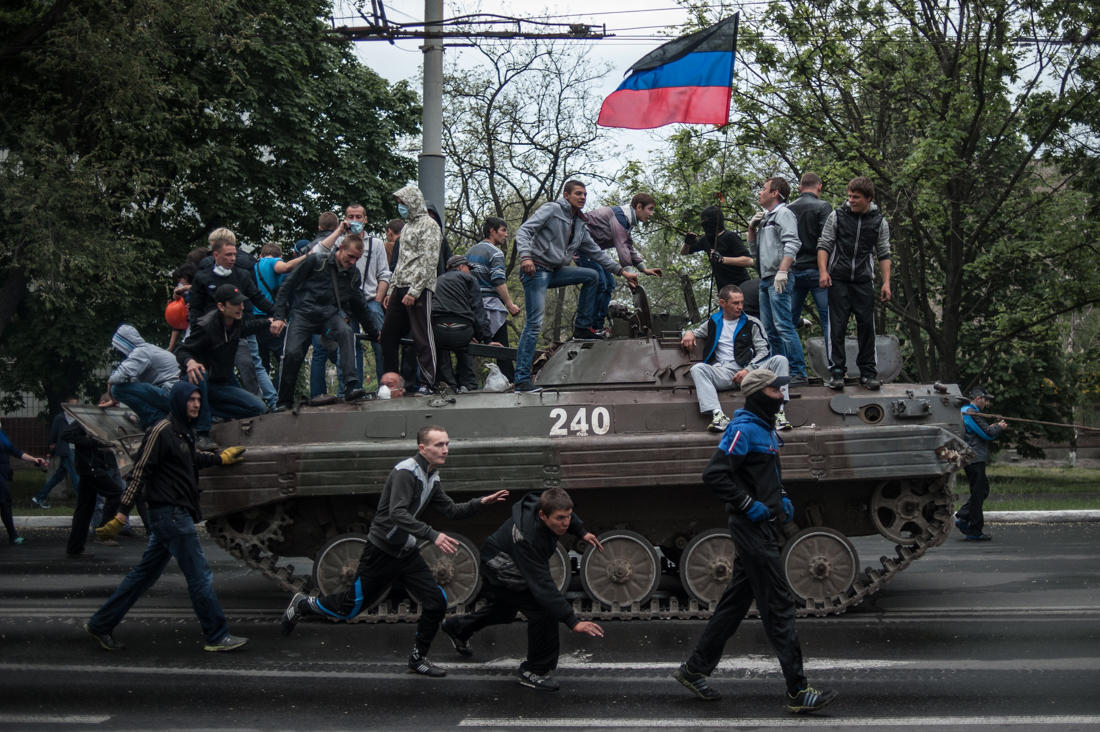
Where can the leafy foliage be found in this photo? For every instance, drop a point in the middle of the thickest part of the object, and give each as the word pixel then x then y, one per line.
pixel 131 128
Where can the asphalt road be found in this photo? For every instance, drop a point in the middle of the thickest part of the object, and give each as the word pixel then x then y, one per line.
pixel 997 635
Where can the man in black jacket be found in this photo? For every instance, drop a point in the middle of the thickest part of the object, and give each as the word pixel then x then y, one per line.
pixel 392 554
pixel 729 257
pixel 458 317
pixel 59 448
pixel 811 213
pixel 327 289
pixel 166 472
pixel 99 476
pixel 514 561
pixel 207 355
pixel 744 472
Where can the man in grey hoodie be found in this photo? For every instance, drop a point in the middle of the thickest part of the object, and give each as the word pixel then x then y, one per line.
pixel 144 378
pixel 546 243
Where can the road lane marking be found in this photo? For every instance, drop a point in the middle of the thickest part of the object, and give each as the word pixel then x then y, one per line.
pixel 786 722
pixel 21 719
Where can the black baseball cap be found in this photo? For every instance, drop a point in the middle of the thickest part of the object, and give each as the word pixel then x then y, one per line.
pixel 229 293
pixel 978 391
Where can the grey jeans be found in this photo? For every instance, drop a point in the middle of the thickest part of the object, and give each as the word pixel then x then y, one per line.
pixel 711 379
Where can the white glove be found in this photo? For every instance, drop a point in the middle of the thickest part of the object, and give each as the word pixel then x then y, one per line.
pixel 780 284
pixel 756 219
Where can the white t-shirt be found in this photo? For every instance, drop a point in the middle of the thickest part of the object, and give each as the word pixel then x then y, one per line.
pixel 723 350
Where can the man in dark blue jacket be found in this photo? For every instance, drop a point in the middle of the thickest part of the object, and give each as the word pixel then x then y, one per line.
pixel 514 561
pixel 59 448
pixel 744 472
pixel 979 433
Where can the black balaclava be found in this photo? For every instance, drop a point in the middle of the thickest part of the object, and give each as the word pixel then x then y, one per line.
pixel 712 222
pixel 177 402
pixel 764 406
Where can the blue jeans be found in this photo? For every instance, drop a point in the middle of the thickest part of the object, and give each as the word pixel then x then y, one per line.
pixel 228 401
pixel 806 282
pixel 171 534
pixel 775 313
pixel 66 466
pixel 149 402
pixel 534 295
pixel 318 384
pixel 604 287
pixel 267 389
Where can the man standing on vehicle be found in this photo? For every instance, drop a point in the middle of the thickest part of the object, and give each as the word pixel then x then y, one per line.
pixel 546 243
pixel 979 433
pixel 515 563
pixel 392 554
pixel 744 472
pixel 486 260
pixel 811 213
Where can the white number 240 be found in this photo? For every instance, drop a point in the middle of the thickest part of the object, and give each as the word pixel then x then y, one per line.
pixel 579 425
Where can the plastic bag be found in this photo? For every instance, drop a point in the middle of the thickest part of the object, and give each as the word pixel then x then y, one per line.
pixel 495 381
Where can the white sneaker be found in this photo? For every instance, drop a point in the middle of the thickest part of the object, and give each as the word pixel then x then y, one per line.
pixel 781 423
pixel 719 423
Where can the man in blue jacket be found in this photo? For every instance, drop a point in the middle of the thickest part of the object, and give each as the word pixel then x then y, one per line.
pixel 744 472
pixel 515 563
pixel 734 345
pixel 546 243
pixel 979 433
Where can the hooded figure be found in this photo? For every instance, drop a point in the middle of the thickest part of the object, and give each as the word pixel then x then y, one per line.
pixel 412 285
pixel 421 239
pixel 145 376
pixel 721 247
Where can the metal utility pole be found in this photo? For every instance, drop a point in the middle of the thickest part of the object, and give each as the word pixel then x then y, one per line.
pixel 432 165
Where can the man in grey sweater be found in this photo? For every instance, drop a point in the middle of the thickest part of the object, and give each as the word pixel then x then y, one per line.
pixel 391 553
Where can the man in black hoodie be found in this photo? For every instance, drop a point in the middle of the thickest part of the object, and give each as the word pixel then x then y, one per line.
pixel 166 472
pixel 207 355
pixel 99 476
pixel 458 317
pixel 514 562
pixel 728 255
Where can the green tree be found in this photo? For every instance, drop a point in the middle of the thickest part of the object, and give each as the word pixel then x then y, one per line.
pixel 977 122
pixel 133 127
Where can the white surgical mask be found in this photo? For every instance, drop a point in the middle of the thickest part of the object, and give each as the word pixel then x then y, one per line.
pixel 221 271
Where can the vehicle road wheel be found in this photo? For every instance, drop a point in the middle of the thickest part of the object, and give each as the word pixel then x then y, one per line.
pixel 560 568
pixel 337 565
pixel 459 574
pixel 820 565
pixel 625 572
pixel 707 565
pixel 903 511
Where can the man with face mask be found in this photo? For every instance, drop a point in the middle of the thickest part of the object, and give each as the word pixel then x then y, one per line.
pixel 734 345
pixel 744 472
pixel 728 255
pixel 166 473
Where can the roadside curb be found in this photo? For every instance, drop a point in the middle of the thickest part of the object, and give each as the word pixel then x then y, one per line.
pixel 991 517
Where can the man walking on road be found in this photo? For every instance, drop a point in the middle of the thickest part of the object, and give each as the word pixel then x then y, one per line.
pixel 391 553
pixel 515 562
pixel 744 472
pixel 166 472
pixel 970 520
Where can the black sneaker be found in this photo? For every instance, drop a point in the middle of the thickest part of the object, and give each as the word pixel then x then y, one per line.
pixel 462 647
pixel 696 682
pixel 587 334
pixel 526 387
pixel 870 383
pixel 835 382
pixel 280 408
pixel 106 641
pixel 354 395
pixel 419 664
pixel 40 502
pixel 293 612
pixel 962 525
pixel 798 381
pixel 809 700
pixel 228 642
pixel 532 680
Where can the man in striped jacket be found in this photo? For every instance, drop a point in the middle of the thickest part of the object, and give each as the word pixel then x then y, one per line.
pixel 166 471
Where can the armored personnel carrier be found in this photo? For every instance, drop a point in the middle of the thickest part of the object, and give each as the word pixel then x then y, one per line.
pixel 617 425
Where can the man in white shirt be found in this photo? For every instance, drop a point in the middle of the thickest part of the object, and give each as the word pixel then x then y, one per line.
pixel 734 345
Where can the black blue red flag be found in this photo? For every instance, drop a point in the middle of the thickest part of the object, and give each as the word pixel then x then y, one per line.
pixel 686 80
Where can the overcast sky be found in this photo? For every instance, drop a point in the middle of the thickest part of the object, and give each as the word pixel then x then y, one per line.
pixel 635 23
